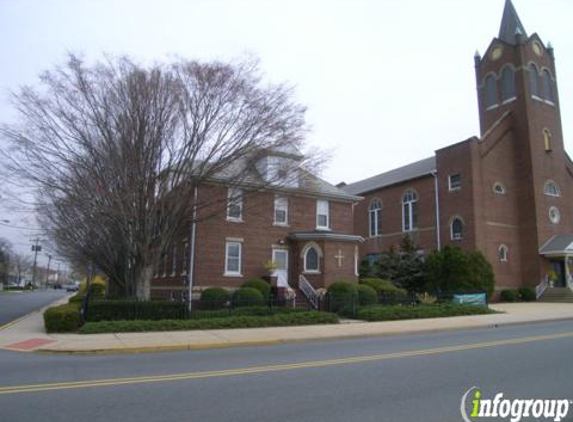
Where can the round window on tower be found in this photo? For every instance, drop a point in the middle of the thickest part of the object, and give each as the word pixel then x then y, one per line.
pixel 554 215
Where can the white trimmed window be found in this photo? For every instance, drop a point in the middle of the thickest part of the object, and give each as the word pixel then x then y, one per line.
pixel 375 217
pixel 233 252
pixel 311 260
pixel 454 182
pixel 281 211
pixel 409 210
pixel 502 253
pixel 551 189
pixel 322 214
pixel 457 229
pixel 234 204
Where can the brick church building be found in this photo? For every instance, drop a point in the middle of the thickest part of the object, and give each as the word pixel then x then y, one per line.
pixel 507 193
pixel 279 213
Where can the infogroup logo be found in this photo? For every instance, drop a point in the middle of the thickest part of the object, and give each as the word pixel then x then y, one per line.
pixel 513 409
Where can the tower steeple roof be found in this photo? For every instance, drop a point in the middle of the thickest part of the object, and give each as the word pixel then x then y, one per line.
pixel 510 24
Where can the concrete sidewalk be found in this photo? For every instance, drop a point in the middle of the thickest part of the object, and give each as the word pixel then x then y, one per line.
pixel 28 333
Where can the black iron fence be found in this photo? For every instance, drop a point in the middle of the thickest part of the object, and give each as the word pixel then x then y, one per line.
pixel 121 309
pixel 345 305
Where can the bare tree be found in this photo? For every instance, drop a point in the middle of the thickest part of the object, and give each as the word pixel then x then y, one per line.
pixel 5 258
pixel 20 264
pixel 116 150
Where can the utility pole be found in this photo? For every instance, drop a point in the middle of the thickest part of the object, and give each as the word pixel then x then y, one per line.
pixel 35 248
pixel 48 271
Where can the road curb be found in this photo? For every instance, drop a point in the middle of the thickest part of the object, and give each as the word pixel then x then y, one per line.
pixel 247 343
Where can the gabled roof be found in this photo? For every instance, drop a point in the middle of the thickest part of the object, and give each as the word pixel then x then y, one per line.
pixel 510 24
pixel 242 173
pixel 392 177
pixel 559 244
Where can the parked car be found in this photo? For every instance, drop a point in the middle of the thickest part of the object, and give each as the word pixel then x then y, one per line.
pixel 72 288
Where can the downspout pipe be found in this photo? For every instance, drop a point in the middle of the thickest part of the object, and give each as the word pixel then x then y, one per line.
pixel 192 252
pixel 437 203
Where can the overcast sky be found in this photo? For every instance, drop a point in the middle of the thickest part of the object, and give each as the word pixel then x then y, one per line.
pixel 385 82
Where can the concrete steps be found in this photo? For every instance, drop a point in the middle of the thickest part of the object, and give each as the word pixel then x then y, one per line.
pixel 557 295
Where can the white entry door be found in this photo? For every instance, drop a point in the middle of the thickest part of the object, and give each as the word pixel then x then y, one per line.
pixel 280 259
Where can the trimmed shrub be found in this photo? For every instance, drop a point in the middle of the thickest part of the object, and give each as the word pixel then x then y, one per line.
pixel 392 313
pixel 383 286
pixel 259 284
pixel 214 298
pixel 248 296
pixel 508 295
pixel 62 318
pixel 452 269
pixel 366 295
pixel 527 294
pixel 278 320
pixel 342 296
pixel 116 310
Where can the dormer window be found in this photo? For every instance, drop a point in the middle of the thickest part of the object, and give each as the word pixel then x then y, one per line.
pixel 278 170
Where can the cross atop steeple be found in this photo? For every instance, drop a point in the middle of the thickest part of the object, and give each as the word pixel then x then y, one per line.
pixel 510 24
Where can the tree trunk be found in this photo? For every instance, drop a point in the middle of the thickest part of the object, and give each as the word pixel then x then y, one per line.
pixel 143 283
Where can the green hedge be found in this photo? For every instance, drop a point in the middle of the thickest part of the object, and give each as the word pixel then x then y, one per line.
pixel 366 295
pixel 62 318
pixel 248 296
pixel 259 284
pixel 243 311
pixel 391 313
pixel 117 310
pixel 509 295
pixel 279 320
pixel 527 294
pixel 214 298
pixel 383 287
pixel 342 297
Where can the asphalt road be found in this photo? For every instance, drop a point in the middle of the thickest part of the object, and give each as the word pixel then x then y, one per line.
pixel 14 305
pixel 401 378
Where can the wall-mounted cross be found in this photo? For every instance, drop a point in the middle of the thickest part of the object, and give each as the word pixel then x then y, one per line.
pixel 340 257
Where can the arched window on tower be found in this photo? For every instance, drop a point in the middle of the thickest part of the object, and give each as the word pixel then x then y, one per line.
pixel 507 84
pixel 548 87
pixel 551 189
pixel 375 217
pixel 456 229
pixel 547 139
pixel 490 91
pixel 533 80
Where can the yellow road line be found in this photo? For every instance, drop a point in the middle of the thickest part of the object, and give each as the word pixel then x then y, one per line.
pixel 18 389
